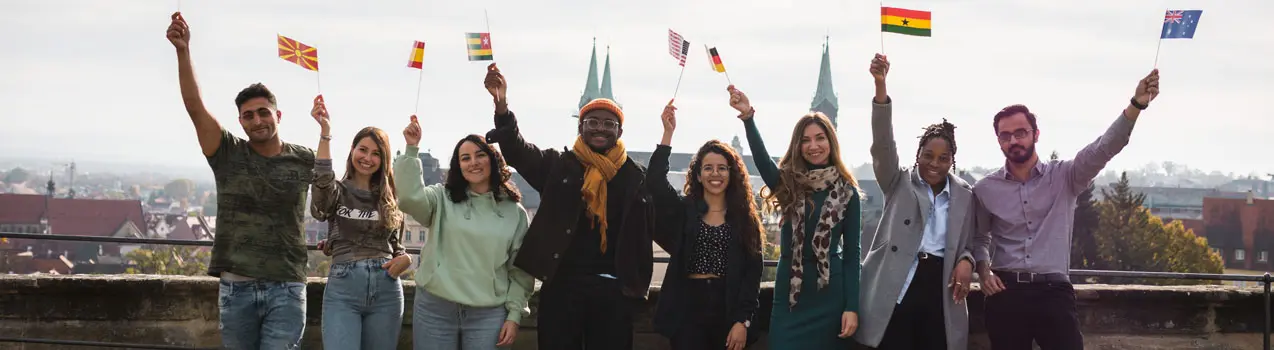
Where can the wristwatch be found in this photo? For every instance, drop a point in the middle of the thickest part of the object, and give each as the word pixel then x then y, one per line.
pixel 1136 105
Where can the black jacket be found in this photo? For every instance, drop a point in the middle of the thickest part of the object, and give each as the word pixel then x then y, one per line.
pixel 677 226
pixel 558 176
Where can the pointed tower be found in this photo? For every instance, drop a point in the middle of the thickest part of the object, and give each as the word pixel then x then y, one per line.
pixel 825 97
pixel 591 90
pixel 606 91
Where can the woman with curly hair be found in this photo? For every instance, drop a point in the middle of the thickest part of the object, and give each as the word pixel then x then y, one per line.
pixel 816 291
pixel 468 293
pixel 713 235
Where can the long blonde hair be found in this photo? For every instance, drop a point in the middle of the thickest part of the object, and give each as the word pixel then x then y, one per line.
pixel 793 163
pixel 382 182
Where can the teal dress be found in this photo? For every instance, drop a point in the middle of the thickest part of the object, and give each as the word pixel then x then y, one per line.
pixel 815 321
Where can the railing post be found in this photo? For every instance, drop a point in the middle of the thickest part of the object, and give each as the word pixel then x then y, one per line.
pixel 1266 280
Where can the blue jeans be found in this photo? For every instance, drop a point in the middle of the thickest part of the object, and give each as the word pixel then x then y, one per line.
pixel 439 324
pixel 362 306
pixel 261 314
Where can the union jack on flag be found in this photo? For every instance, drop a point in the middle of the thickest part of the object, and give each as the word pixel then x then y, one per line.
pixel 1180 24
pixel 1172 17
pixel 678 47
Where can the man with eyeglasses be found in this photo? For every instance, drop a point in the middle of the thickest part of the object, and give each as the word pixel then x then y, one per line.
pixel 590 242
pixel 1025 214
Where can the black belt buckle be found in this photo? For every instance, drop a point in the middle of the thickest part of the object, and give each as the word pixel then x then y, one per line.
pixel 924 256
pixel 1030 277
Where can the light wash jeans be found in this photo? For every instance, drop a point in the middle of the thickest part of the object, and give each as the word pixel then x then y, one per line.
pixel 362 307
pixel 261 314
pixel 439 324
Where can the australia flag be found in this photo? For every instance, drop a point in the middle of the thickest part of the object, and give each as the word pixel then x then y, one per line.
pixel 1179 24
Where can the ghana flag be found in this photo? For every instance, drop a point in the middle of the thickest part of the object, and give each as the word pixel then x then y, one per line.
pixel 479 46
pixel 904 21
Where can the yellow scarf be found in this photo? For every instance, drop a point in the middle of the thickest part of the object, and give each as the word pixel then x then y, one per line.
pixel 598 170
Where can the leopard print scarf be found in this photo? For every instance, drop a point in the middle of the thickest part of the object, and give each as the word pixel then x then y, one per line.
pixel 833 212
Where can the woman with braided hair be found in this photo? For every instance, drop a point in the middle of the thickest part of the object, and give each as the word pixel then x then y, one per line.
pixel 916 272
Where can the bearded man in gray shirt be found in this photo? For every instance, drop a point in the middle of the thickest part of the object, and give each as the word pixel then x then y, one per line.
pixel 1025 215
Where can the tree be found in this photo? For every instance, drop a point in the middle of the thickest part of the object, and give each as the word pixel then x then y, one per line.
pixel 1083 242
pixel 168 260
pixel 1129 238
pixel 180 190
pixel 1054 156
pixel 17 176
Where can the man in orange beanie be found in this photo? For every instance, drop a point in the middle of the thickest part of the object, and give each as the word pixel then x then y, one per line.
pixel 590 242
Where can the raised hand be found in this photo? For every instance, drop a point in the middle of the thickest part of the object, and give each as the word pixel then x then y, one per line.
pixel 179 32
pixel 879 68
pixel 1147 88
pixel 495 84
pixel 669 118
pixel 740 103
pixel 319 112
pixel 412 132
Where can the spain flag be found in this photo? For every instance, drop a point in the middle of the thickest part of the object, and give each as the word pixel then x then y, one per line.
pixel 301 54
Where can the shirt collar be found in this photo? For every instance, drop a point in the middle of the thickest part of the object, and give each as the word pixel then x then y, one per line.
pixel 946 187
pixel 1038 170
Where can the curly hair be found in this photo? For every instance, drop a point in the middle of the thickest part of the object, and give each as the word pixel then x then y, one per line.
pixel 738 192
pixel 945 131
pixel 382 182
pixel 793 163
pixel 501 177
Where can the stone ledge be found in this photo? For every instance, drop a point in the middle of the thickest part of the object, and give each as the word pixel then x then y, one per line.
pixel 183 311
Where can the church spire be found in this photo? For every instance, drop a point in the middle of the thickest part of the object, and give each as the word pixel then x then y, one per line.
pixel 825 96
pixel 591 90
pixel 606 91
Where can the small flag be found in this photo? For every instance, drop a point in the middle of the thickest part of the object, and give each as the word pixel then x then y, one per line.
pixel 715 59
pixel 417 59
pixel 479 46
pixel 301 54
pixel 904 21
pixel 678 47
pixel 1180 24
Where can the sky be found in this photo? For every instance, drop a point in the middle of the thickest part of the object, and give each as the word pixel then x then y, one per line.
pixel 90 79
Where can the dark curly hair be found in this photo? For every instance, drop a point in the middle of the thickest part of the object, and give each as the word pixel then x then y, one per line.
pixel 738 193
pixel 501 178
pixel 945 131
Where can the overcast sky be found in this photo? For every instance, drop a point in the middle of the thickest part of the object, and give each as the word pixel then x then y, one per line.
pixel 97 79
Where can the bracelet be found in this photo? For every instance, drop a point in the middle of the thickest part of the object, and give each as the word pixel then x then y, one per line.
pixel 325 137
pixel 1136 105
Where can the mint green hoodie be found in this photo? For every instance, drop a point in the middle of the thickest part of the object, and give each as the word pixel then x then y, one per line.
pixel 468 257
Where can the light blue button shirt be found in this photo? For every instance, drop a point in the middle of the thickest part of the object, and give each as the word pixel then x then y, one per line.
pixel 935 237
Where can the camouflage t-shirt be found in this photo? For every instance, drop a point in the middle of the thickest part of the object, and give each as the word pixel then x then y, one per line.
pixel 260 210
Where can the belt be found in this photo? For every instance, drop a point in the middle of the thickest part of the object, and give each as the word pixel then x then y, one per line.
pixel 926 256
pixel 1030 277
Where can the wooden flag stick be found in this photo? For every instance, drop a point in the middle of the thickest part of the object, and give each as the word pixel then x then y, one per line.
pixel 727 78
pixel 319 81
pixel 678 88
pixel 419 82
pixel 1157 46
pixel 882 32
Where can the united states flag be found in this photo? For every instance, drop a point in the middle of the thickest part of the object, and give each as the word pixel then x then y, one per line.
pixel 678 47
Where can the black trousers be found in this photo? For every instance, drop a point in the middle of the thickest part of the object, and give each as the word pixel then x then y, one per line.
pixel 706 324
pixel 579 312
pixel 1043 312
pixel 918 322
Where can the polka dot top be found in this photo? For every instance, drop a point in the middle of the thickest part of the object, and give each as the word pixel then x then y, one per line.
pixel 710 247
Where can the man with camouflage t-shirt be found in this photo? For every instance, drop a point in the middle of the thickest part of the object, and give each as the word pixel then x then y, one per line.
pixel 259 251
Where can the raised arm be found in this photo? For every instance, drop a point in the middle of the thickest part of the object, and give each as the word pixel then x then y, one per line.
pixel 1093 158
pixel 414 198
pixel 520 283
pixel 531 162
pixel 325 190
pixel 206 127
pixel 884 149
pixel 764 164
pixel 668 202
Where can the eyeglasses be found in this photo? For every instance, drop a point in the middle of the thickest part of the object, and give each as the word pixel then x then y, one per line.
pixel 708 169
pixel 593 123
pixel 1019 134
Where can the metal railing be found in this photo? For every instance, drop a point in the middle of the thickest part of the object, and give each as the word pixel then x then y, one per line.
pixel 1265 280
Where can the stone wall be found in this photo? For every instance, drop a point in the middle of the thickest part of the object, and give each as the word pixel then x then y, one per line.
pixel 183 311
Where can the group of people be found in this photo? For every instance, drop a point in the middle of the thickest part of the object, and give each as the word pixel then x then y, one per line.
pixel 591 241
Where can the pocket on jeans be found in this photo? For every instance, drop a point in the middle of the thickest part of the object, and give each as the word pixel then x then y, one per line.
pixel 338 271
pixel 296 291
pixel 224 291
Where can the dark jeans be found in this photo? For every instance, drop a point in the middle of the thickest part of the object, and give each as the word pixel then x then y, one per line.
pixel 1043 312
pixel 585 312
pixel 706 325
pixel 918 322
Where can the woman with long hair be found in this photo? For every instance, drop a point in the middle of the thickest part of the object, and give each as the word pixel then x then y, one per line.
pixel 363 300
pixel 916 272
pixel 816 291
pixel 468 293
pixel 713 235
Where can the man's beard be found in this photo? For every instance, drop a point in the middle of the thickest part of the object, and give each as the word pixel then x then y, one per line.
pixel 1026 156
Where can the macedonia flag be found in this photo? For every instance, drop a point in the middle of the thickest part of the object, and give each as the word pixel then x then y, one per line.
pixel 301 54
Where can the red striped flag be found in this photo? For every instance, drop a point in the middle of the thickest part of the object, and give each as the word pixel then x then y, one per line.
pixel 678 47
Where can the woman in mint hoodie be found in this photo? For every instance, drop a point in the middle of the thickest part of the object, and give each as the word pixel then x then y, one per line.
pixel 363 300
pixel 468 293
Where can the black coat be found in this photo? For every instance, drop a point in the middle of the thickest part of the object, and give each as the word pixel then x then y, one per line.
pixel 558 176
pixel 677 227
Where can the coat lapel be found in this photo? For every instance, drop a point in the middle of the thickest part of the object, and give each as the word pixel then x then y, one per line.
pixel 921 191
pixel 956 211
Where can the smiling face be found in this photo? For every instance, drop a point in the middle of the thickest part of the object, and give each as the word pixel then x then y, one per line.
pixel 259 119
pixel 600 129
pixel 366 157
pixel 475 164
pixel 815 147
pixel 714 173
pixel 935 161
